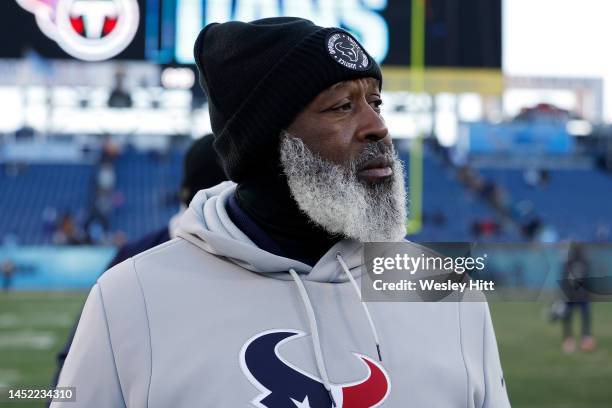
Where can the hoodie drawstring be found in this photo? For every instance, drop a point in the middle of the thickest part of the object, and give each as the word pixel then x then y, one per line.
pixel 363 304
pixel 316 343
pixel 312 322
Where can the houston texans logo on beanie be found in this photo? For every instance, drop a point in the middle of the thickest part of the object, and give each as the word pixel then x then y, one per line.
pixel 283 385
pixel 259 75
pixel 346 51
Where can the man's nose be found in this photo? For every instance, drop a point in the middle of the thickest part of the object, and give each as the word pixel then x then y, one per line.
pixel 372 127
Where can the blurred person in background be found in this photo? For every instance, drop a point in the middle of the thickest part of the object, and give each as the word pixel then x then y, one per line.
pixel 97 224
pixel 68 232
pixel 575 274
pixel 119 96
pixel 201 169
pixel 8 270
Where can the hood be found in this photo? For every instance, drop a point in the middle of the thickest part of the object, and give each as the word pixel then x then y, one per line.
pixel 207 225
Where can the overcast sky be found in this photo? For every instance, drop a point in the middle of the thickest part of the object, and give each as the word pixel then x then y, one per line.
pixel 559 38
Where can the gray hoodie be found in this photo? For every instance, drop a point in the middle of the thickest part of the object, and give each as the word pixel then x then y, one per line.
pixel 208 319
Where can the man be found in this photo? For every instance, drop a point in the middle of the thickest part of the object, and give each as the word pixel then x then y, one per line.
pixel 573 284
pixel 8 270
pixel 256 302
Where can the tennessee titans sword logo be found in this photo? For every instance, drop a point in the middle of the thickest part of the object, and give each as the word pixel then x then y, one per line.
pixel 283 385
pixel 91 30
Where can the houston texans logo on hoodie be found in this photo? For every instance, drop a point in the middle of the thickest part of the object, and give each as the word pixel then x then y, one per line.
pixel 283 385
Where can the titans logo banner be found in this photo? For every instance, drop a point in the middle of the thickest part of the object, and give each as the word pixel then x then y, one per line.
pixel 91 30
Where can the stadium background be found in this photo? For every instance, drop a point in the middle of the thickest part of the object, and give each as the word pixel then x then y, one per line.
pixel 499 109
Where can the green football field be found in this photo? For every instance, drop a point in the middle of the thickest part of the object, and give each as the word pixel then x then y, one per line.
pixel 33 326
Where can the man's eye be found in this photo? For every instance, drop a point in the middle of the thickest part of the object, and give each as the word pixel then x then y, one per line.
pixel 343 108
pixel 376 104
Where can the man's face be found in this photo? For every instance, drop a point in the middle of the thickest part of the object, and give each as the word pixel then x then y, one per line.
pixel 341 121
pixel 341 166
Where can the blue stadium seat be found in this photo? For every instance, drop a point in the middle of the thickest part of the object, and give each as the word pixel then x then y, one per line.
pixel 577 203
pixel 148 182
pixel 28 192
pixel 444 194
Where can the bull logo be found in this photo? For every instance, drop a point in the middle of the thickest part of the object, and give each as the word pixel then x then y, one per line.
pixel 347 50
pixel 91 30
pixel 283 385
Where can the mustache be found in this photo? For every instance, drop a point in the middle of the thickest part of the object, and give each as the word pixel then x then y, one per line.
pixel 376 150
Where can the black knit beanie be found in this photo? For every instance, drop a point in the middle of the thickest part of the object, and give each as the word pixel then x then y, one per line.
pixel 260 75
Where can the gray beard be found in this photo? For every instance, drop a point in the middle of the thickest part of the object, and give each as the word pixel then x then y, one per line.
pixel 333 197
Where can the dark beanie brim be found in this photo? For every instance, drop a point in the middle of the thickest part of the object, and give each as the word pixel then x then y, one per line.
pixel 250 131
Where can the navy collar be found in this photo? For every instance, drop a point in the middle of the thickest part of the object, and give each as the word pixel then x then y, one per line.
pixel 250 228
